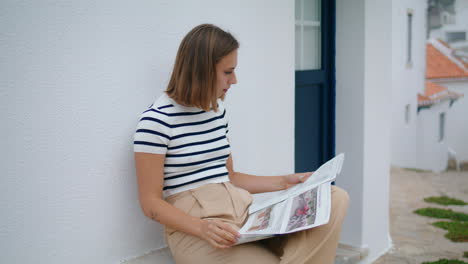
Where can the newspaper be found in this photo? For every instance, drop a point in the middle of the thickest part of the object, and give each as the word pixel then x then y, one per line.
pixel 303 206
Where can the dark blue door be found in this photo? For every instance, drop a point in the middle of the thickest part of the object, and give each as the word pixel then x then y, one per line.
pixel 315 89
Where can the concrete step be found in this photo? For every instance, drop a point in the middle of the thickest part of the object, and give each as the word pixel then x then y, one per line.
pixel 159 256
pixel 344 255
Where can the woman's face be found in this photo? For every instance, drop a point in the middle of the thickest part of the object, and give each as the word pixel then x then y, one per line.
pixel 225 75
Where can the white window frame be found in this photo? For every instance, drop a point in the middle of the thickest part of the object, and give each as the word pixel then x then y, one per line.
pixel 409 28
pixel 442 119
pixel 407 113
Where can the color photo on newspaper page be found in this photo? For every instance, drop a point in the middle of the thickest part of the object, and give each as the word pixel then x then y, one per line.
pixel 306 210
pixel 325 173
pixel 303 209
pixel 300 207
pixel 261 219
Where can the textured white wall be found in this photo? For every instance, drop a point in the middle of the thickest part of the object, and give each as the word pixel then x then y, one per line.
pixel 363 109
pixel 457 125
pixel 76 76
pixel 350 53
pixel 377 113
pixel 432 152
pixel 407 80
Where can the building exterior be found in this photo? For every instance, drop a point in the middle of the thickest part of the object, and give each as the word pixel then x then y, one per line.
pixel 425 126
pixel 77 75
pixel 447 70
pixel 450 23
pixel 408 69
pixel 434 110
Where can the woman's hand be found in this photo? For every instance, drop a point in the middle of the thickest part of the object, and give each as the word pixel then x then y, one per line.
pixel 218 234
pixel 296 178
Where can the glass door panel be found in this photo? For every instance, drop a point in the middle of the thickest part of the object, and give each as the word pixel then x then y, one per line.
pixel 308 35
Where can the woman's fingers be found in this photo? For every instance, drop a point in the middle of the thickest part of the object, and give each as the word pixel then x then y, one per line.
pixel 216 244
pixel 228 228
pixel 293 179
pixel 220 239
pixel 304 176
pixel 225 231
pixel 219 234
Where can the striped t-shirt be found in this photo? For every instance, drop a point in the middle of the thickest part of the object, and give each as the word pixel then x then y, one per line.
pixel 194 142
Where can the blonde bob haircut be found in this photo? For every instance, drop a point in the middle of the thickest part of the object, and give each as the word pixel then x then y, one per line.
pixel 193 79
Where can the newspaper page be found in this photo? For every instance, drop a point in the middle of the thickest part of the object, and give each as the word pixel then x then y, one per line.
pixel 290 211
pixel 325 173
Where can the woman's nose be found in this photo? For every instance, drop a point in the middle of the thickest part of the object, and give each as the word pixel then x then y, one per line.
pixel 234 78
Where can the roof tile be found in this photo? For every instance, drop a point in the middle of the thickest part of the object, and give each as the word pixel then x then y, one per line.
pixel 440 66
pixel 435 93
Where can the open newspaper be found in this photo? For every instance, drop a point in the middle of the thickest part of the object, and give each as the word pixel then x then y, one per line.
pixel 300 207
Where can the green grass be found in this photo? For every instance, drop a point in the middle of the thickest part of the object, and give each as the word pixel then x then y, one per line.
pixel 416 170
pixel 446 261
pixel 465 254
pixel 442 213
pixel 444 200
pixel 457 231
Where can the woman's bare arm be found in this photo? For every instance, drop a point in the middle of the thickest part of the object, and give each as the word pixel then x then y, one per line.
pixel 259 184
pixel 150 174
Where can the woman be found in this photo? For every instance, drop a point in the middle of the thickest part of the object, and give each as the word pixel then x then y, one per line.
pixel 185 169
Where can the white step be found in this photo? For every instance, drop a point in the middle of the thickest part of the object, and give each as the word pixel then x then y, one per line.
pixel 344 255
pixel 159 256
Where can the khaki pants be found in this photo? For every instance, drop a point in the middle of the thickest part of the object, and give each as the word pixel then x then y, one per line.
pixel 229 204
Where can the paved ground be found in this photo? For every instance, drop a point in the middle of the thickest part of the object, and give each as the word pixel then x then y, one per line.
pixel 415 240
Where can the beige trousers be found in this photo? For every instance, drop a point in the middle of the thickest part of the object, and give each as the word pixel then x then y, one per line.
pixel 229 204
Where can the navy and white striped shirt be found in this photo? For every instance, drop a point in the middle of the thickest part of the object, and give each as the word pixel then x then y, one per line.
pixel 194 142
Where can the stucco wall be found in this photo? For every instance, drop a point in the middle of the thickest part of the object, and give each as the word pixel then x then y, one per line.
pixel 457 124
pixel 433 152
pixel 407 79
pixel 363 90
pixel 377 113
pixel 350 54
pixel 75 77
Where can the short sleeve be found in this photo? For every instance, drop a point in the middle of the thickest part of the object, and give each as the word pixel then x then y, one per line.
pixel 152 134
pixel 225 120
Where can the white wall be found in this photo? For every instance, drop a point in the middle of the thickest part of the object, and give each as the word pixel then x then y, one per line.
pixel 457 125
pixel 407 79
pixel 76 76
pixel 350 54
pixel 413 144
pixel 433 153
pixel 363 109
pixel 377 113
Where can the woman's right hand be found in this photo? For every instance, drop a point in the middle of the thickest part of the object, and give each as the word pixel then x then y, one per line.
pixel 218 234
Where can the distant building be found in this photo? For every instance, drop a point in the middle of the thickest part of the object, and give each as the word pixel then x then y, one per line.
pixel 448 64
pixel 448 75
pixel 448 21
pixel 422 120
pixel 408 66
pixel 439 13
pixel 434 111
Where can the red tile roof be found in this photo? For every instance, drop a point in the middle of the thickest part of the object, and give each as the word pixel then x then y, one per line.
pixel 435 93
pixel 444 43
pixel 465 63
pixel 439 65
pixel 434 89
pixel 423 100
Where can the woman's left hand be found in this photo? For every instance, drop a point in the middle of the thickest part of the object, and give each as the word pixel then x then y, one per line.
pixel 296 178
